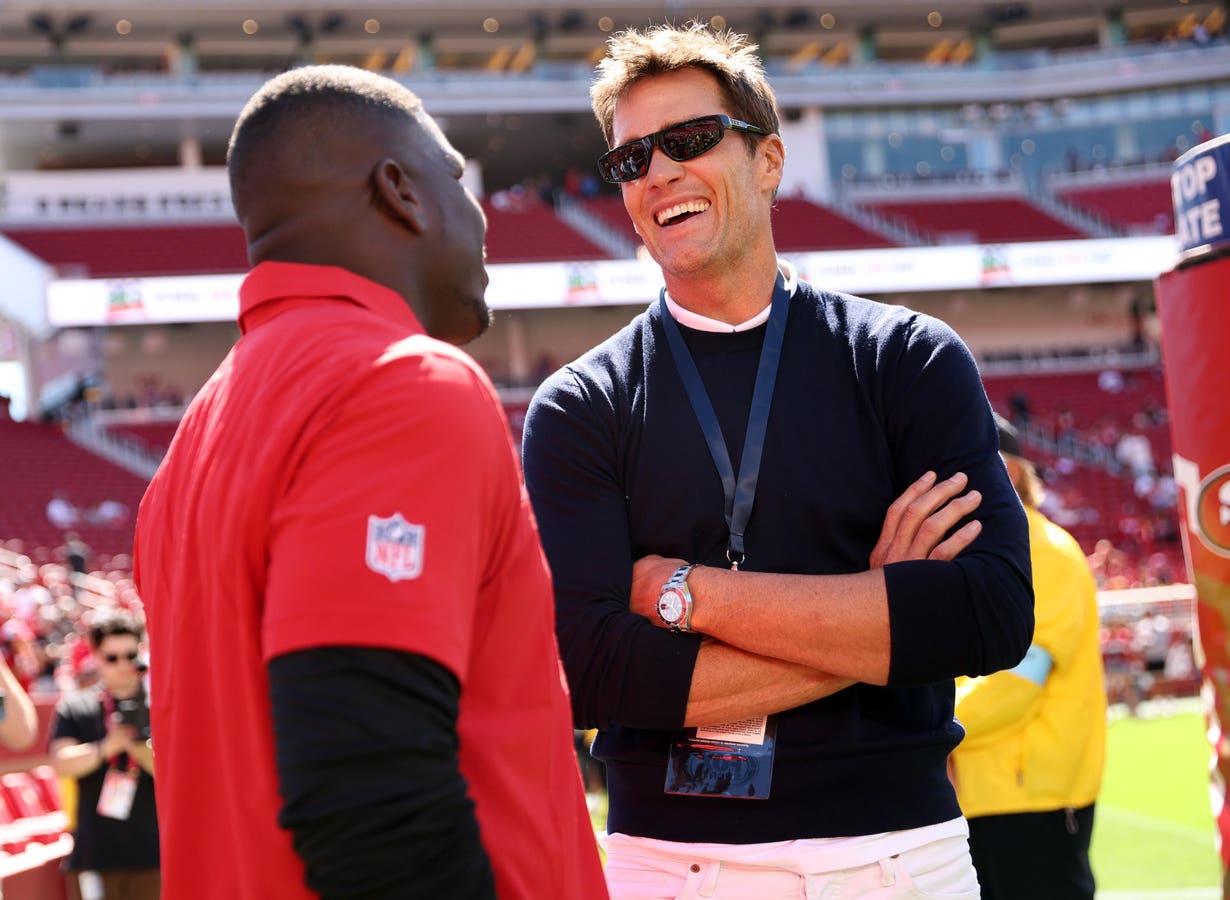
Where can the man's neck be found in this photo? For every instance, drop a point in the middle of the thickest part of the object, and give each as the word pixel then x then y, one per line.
pixel 729 298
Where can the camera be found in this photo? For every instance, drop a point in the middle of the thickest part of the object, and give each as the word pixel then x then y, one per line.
pixel 134 712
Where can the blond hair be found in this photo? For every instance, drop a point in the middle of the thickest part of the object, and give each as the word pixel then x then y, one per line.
pixel 1025 480
pixel 731 58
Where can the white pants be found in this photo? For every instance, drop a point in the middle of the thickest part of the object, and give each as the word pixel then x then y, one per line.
pixel 941 870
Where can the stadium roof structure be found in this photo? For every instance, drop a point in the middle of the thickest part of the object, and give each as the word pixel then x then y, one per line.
pixel 76 22
pixel 134 82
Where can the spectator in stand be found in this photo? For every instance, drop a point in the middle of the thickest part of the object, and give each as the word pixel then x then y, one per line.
pixel 1019 403
pixel 18 718
pixel 1105 560
pixel 1130 528
pixel 1066 436
pixel 1030 767
pixel 83 669
pixel 1110 381
pixel 572 181
pixel 591 186
pixel 108 514
pixel 101 739
pixel 341 568
pixel 76 553
pixel 1151 641
pixel 61 512
pixel 1180 664
pixel 20 653
pixel 1120 663
pixel 1135 453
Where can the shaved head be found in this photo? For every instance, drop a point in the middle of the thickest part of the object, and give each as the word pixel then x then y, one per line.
pixel 318 127
pixel 337 166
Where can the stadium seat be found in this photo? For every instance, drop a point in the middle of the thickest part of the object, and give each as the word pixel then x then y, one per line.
pixel 25 798
pixel 982 221
pixel 532 232
pixel 137 250
pixel 39 462
pixel 801 226
pixel 48 784
pixel 25 801
pixel 152 437
pixel 1144 207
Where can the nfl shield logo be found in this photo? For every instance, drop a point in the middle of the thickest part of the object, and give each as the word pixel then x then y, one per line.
pixel 395 547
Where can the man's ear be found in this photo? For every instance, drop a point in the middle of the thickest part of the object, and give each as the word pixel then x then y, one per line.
pixel 772 153
pixel 396 192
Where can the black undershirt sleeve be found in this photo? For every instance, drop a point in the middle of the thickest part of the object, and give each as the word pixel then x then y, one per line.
pixel 367 759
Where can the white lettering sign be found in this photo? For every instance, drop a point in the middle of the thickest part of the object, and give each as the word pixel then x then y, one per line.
pixel 1192 180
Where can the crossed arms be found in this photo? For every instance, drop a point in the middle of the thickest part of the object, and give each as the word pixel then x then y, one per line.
pixel 764 652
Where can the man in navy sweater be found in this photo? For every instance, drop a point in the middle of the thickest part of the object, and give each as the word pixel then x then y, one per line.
pixel 751 498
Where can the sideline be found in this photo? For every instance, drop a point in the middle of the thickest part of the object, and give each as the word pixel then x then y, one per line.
pixel 1153 823
pixel 1192 893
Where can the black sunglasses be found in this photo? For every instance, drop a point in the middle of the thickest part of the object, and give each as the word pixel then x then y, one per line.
pixel 681 142
pixel 113 658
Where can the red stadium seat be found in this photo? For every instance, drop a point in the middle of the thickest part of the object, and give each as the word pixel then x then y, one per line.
pixel 801 226
pixel 532 232
pixel 983 220
pixel 137 250
pixel 49 786
pixel 39 462
pixel 13 837
pixel 24 797
pixel 35 820
pixel 1145 206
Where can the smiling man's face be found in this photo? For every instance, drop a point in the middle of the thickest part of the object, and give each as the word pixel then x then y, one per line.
pixel 699 217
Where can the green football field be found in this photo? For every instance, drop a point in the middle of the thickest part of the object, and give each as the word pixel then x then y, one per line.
pixel 1153 834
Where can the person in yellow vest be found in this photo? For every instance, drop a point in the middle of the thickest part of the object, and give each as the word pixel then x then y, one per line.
pixel 1030 767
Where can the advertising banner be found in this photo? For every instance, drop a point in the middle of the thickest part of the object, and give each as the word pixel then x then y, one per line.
pixel 1194 306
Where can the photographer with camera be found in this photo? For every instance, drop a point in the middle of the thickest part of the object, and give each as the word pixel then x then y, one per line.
pixel 101 738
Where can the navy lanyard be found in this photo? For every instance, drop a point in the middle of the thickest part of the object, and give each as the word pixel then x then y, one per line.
pixel 741 496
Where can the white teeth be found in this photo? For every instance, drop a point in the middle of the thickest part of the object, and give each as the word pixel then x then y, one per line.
pixel 680 208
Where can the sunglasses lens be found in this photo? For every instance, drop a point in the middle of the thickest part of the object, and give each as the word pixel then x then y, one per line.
pixel 624 163
pixel 683 142
pixel 691 139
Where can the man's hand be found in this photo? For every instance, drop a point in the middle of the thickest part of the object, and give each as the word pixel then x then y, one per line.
pixel 143 753
pixel 916 523
pixel 648 575
pixel 914 528
pixel 117 740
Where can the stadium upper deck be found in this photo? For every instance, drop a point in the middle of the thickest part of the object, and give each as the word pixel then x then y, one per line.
pixel 880 100
pixel 926 88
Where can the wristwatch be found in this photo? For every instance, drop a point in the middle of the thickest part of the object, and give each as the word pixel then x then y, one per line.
pixel 675 601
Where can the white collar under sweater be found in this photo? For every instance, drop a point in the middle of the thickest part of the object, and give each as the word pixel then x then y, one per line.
pixel 697 322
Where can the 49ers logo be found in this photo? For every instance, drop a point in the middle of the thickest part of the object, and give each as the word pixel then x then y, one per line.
pixel 1213 511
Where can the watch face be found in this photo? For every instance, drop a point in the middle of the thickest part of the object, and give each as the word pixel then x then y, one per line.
pixel 670 606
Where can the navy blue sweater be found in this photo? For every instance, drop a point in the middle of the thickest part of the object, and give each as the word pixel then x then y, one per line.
pixel 868 398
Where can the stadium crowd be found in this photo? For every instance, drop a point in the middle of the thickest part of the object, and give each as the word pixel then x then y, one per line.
pixel 47 611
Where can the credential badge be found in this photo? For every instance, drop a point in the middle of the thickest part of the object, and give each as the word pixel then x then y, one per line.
pixel 395 547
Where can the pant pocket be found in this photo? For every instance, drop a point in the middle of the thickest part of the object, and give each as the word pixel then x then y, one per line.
pixel 941 870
